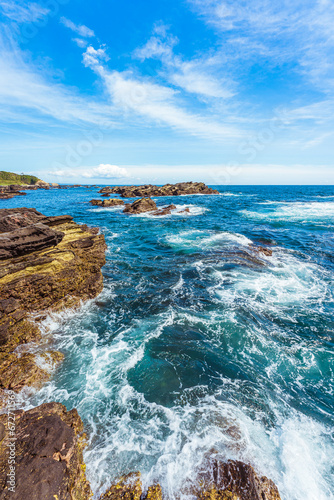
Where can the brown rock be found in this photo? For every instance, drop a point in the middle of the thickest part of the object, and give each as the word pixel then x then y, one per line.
pixel 240 481
pixel 107 203
pixel 265 250
pixel 37 277
pixel 140 206
pixel 27 240
pixel 49 462
pixel 128 488
pixel 165 211
pixel 167 190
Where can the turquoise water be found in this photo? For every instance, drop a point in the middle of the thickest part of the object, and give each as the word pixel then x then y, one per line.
pixel 201 347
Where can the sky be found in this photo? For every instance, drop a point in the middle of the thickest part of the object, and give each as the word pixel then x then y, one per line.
pixel 227 92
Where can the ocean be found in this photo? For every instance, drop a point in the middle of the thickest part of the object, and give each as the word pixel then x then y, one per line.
pixel 200 346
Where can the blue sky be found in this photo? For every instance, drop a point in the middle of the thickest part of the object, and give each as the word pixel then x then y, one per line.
pixel 224 91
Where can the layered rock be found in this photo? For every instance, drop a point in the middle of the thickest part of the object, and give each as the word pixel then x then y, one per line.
pixel 140 206
pixel 148 190
pixel 49 442
pixel 47 263
pixel 113 202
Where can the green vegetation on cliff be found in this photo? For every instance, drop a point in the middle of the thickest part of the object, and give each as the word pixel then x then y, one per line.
pixel 7 178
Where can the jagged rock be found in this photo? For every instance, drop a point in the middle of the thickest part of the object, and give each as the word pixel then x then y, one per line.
pixel 237 479
pixel 165 211
pixel 166 190
pixel 140 206
pixel 113 202
pixel 49 278
pixel 48 448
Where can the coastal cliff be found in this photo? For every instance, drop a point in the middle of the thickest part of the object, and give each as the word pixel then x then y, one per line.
pixel 46 264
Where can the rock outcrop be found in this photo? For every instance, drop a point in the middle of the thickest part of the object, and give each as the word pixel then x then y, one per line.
pixel 113 202
pixel 140 206
pixel 236 480
pixel 165 211
pixel 232 480
pixel 166 190
pixel 46 264
pixel 48 444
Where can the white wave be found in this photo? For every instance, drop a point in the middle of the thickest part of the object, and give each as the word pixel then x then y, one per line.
pixel 178 211
pixel 285 281
pixel 296 211
pixel 206 239
pixel 117 208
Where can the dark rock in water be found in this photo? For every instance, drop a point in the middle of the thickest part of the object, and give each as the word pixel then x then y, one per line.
pixel 259 249
pixel 237 479
pixel 140 206
pixel 166 190
pixel 27 240
pixel 227 481
pixel 165 211
pixel 105 195
pixel 113 202
pixel 41 270
pixel 49 462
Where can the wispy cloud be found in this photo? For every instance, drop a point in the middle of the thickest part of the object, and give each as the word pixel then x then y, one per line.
pixel 23 12
pixel 80 29
pixel 154 102
pixel 102 171
pixel 195 76
pixel 299 32
pixel 26 95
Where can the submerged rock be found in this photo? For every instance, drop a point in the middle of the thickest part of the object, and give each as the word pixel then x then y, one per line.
pixel 48 455
pixel 166 190
pixel 41 269
pixel 140 206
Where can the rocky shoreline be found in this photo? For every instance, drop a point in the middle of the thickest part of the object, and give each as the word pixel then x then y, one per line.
pixel 48 264
pixel 148 190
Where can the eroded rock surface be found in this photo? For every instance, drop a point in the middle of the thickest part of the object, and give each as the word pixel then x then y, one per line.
pixel 166 190
pixel 48 448
pixel 140 206
pixel 47 263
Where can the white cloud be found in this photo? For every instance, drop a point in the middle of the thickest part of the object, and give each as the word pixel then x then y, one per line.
pixel 298 32
pixel 22 12
pixel 102 171
pixel 80 42
pixel 26 95
pixel 196 76
pixel 92 57
pixel 158 104
pixel 105 171
pixel 80 29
